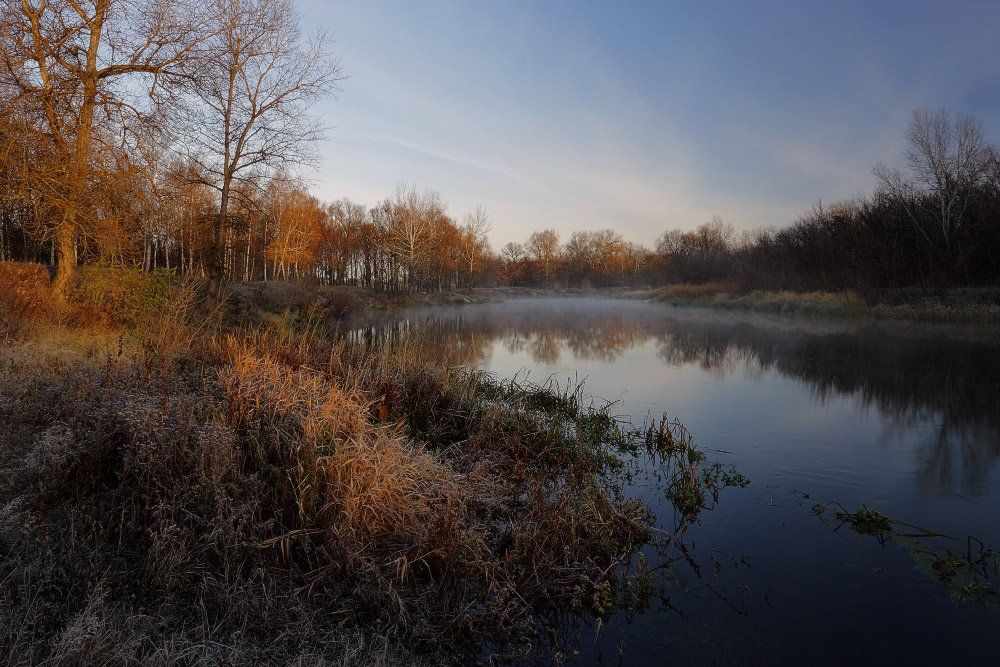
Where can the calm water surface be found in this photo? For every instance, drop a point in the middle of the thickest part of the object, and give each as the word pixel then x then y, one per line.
pixel 903 419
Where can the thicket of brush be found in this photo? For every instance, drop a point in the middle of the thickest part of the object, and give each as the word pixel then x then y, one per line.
pixel 177 492
pixel 977 305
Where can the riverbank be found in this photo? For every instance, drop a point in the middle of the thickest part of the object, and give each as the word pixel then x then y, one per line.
pixel 979 306
pixel 265 301
pixel 182 490
pixel 257 302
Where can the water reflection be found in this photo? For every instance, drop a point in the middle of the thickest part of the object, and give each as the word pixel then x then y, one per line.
pixel 912 376
pixel 545 329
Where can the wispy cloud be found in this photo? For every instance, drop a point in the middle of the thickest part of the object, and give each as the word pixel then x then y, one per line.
pixel 636 117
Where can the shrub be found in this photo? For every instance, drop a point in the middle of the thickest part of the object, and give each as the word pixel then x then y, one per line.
pixel 121 295
pixel 274 296
pixel 692 291
pixel 340 303
pixel 24 296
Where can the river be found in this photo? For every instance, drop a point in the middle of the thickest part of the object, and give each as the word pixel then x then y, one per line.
pixel 903 419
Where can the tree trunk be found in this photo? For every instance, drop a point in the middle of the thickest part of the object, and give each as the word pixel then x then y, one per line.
pixel 216 256
pixel 246 267
pixel 65 255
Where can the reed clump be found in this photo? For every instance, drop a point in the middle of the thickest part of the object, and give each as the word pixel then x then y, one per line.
pixel 265 494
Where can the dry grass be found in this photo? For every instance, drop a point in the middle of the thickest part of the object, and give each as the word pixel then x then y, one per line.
pixel 974 306
pixel 176 494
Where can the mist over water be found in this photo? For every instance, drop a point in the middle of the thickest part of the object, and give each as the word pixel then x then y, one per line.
pixel 904 419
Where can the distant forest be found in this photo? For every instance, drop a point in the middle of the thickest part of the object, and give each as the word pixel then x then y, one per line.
pixel 166 143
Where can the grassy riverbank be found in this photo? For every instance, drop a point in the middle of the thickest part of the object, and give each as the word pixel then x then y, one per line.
pixel 265 301
pixel 183 489
pixel 981 306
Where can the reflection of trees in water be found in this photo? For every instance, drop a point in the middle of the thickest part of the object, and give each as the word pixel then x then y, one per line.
pixel 916 378
pixel 587 334
pixel 464 336
pixel 446 344
pixel 710 350
pixel 544 347
pixel 959 456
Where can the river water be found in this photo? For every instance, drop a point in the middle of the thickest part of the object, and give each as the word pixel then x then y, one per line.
pixel 903 419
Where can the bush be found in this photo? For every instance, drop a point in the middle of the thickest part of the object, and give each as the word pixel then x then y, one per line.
pixel 340 304
pixel 24 296
pixel 121 295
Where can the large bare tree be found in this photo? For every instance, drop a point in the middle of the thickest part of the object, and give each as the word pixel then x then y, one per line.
pixel 261 77
pixel 80 74
pixel 947 161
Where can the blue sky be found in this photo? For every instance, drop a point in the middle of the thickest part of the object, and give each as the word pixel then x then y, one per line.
pixel 641 116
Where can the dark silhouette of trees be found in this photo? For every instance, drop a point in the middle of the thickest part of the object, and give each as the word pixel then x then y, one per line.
pixel 935 224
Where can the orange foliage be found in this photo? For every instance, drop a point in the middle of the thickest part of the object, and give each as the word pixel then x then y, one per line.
pixel 300 228
pixel 24 293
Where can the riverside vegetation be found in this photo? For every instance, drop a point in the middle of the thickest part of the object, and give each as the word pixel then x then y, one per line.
pixel 180 485
pixel 969 305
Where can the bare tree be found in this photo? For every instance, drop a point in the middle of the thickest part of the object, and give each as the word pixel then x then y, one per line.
pixel 579 252
pixel 993 169
pixel 512 252
pixel 73 64
pixel 410 229
pixel 714 237
pixel 544 247
pixel 191 205
pixel 476 244
pixel 670 243
pixel 151 150
pixel 345 238
pixel 638 256
pixel 261 77
pixel 947 161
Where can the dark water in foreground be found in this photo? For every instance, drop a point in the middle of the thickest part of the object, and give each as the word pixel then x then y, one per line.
pixel 901 418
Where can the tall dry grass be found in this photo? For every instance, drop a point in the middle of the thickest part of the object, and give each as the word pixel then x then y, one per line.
pixel 269 495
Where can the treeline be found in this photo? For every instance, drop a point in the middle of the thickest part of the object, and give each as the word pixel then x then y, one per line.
pixel 161 134
pixel 278 231
pixel 587 259
pixel 934 224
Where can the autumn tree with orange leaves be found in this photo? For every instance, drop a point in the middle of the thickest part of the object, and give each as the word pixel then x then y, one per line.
pixel 298 229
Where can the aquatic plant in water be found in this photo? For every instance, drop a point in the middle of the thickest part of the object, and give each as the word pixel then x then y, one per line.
pixel 969 570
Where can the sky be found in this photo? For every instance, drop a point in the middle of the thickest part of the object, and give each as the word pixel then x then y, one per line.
pixel 640 116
